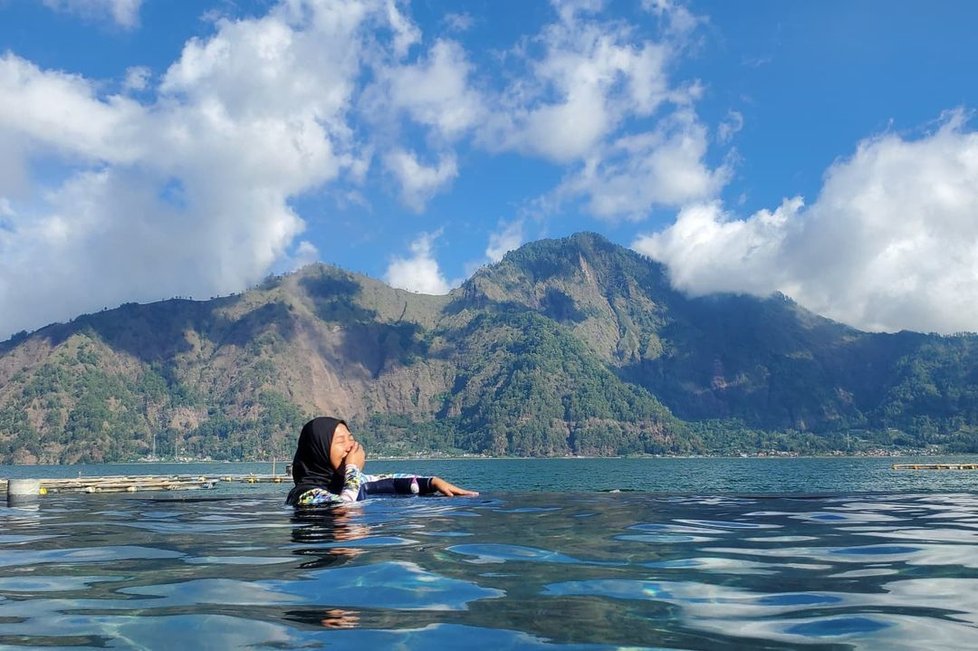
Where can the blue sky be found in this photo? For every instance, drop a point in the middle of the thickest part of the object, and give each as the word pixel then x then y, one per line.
pixel 151 149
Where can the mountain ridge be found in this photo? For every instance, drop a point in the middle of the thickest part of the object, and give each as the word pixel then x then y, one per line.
pixel 569 346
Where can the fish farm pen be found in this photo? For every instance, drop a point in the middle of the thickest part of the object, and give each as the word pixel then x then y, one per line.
pixel 130 483
pixel 935 466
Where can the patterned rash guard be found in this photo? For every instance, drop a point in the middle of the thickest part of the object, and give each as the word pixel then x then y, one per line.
pixel 358 486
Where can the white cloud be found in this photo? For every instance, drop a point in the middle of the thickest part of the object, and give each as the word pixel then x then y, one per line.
pixel 124 13
pixel 184 186
pixel 568 10
pixel 419 182
pixel 709 251
pixel 679 19
pixel 406 33
pixel 508 238
pixel 186 194
pixel 434 92
pixel 590 77
pixel 137 78
pixel 891 242
pixel 730 126
pixel 61 114
pixel 458 22
pixel 638 172
pixel 420 272
pixel 305 253
pixel 598 100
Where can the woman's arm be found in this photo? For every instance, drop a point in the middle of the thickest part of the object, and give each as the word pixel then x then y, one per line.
pixel 353 464
pixel 352 480
pixel 404 484
pixel 448 489
pixel 395 484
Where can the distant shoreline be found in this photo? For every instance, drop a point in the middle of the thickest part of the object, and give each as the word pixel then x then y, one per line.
pixel 424 458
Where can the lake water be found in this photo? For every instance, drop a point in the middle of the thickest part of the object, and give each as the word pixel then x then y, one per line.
pixel 691 554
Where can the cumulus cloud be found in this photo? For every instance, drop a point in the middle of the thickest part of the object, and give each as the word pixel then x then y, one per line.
pixel 187 194
pixel 638 172
pixel 589 77
pixel 419 272
pixel 707 250
pixel 890 243
pixel 406 33
pixel 61 114
pixel 124 13
pixel 434 91
pixel 598 100
pixel 419 182
pixel 137 78
pixel 305 253
pixel 183 184
pixel 506 239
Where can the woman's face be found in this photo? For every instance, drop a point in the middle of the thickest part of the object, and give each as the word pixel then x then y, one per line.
pixel 342 444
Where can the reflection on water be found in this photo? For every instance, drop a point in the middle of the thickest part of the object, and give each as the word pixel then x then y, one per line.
pixel 505 570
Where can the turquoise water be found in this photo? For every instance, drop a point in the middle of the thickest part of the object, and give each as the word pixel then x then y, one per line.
pixel 693 554
pixel 665 475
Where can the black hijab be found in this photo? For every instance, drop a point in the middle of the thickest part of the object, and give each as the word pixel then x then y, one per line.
pixel 310 465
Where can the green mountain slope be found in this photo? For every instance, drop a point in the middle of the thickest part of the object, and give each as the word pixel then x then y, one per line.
pixel 573 346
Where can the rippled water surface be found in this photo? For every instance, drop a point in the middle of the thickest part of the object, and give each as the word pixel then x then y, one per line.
pixel 233 568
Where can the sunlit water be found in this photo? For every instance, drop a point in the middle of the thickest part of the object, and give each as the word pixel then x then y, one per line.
pixel 693 554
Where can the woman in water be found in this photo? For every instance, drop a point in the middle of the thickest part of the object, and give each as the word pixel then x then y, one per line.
pixel 328 469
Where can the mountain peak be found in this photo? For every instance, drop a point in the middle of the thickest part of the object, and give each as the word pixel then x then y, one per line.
pixel 569 265
pixel 585 243
pixel 569 345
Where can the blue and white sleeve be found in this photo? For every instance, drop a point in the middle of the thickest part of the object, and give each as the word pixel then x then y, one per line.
pixel 353 480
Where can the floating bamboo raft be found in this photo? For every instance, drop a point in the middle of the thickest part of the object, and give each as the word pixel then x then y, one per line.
pixel 138 483
pixel 935 466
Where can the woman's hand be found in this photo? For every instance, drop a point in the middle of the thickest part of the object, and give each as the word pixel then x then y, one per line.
pixel 357 456
pixel 450 490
